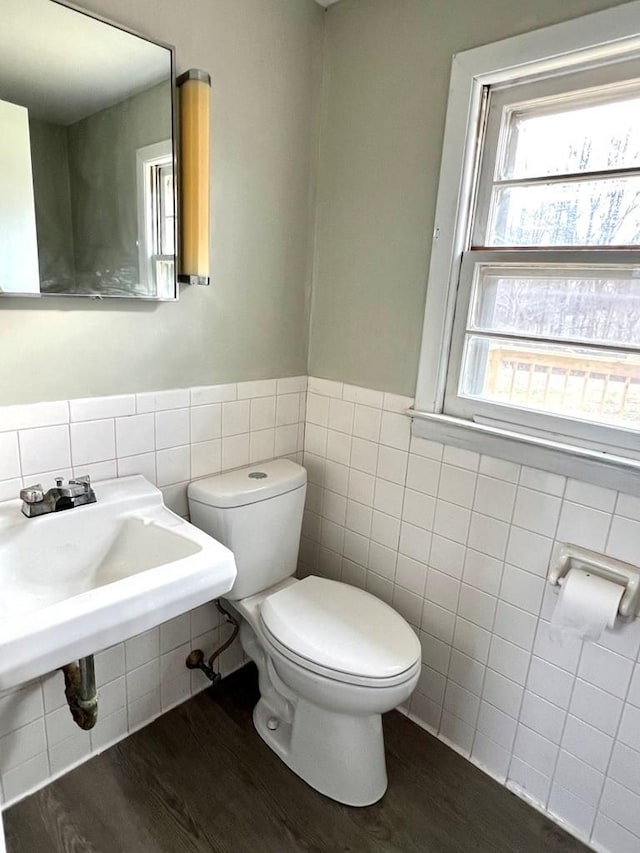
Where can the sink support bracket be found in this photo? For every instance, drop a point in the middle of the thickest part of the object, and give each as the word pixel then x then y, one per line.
pixel 80 690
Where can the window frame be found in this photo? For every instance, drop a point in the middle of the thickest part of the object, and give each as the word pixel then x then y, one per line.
pixel 591 433
pixel 552 90
pixel 594 39
pixel 148 158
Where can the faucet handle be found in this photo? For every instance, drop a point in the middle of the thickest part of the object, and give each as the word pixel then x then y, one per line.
pixel 80 489
pixel 83 483
pixel 84 480
pixel 32 494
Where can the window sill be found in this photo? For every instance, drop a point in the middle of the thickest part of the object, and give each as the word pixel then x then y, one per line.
pixel 591 466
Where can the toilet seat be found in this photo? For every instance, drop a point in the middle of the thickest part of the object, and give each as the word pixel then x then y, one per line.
pixel 340 632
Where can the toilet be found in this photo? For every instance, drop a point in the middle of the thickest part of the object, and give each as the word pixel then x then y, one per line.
pixel 331 658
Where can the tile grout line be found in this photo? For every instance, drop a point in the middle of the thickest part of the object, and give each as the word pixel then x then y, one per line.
pixel 492 632
pixel 566 711
pixel 465 545
pixel 613 745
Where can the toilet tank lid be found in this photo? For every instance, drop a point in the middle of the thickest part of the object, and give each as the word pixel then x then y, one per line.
pixel 248 485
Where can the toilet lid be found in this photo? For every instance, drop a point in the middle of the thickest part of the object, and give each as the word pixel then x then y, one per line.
pixel 341 628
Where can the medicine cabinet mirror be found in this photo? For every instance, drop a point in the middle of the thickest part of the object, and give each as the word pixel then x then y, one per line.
pixel 87 156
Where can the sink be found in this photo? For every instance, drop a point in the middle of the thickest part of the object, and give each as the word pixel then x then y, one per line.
pixel 77 581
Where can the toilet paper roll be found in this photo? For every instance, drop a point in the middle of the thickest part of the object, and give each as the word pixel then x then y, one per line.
pixel 586 606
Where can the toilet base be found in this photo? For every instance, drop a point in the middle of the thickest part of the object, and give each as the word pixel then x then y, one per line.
pixel 340 755
pixel 329 732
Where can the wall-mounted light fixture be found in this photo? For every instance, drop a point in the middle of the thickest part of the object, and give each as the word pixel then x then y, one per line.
pixel 195 95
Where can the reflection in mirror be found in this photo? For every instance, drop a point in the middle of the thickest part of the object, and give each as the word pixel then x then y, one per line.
pixel 18 244
pixel 86 157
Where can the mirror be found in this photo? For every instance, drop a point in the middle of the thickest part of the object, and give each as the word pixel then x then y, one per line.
pixel 87 156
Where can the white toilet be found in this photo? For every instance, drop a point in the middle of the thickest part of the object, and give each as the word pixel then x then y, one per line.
pixel 331 658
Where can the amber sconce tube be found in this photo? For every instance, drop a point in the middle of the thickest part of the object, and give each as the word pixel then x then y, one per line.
pixel 194 88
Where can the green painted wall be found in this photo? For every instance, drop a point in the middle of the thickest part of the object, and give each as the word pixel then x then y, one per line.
pixel 104 202
pixel 85 190
pixel 385 92
pixel 385 80
pixel 264 57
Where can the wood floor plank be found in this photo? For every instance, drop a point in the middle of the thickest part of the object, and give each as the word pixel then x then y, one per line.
pixel 200 780
pixel 290 816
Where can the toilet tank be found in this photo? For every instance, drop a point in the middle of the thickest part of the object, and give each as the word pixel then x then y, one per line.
pixel 257 513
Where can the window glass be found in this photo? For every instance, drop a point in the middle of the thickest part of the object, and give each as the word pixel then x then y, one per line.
pixel 594 385
pixel 575 213
pixel 586 136
pixel 587 305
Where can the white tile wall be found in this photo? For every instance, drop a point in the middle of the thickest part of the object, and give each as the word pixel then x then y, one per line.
pixel 171 437
pixel 460 545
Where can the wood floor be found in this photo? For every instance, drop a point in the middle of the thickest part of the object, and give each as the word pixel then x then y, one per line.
pixel 199 779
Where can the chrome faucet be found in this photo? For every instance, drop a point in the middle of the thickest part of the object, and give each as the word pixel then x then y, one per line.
pixel 35 501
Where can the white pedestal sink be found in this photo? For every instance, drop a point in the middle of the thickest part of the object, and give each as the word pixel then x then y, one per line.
pixel 77 581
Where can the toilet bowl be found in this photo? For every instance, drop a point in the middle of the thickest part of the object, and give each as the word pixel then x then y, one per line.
pixel 331 658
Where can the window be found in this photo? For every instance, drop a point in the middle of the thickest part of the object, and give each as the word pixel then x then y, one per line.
pixel 156 218
pixel 538 236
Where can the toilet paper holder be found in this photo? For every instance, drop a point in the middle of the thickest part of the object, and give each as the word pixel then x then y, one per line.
pixel 569 557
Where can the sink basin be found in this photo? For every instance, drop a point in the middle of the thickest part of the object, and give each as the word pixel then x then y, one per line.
pixel 75 582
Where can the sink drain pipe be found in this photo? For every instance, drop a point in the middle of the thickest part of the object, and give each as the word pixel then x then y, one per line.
pixel 80 690
pixel 195 658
